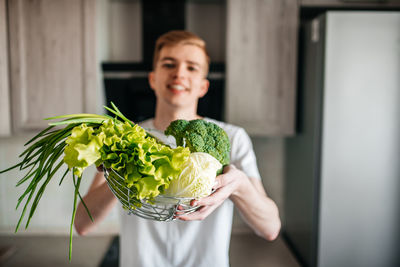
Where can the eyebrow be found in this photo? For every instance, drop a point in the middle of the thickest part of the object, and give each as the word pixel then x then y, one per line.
pixel 173 59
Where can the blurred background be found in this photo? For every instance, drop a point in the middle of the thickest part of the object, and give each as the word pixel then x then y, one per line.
pixel 314 82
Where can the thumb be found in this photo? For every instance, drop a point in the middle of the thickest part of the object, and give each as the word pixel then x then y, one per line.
pixel 228 167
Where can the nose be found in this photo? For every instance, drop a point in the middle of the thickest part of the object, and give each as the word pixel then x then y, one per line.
pixel 179 71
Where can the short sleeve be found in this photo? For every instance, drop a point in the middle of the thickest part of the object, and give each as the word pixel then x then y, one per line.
pixel 242 154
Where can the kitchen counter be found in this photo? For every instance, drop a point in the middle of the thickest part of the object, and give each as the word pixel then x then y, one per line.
pixel 45 251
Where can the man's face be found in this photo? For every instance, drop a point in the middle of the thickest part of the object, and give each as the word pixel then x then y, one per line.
pixel 179 75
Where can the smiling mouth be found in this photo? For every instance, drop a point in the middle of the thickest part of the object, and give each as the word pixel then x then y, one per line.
pixel 177 87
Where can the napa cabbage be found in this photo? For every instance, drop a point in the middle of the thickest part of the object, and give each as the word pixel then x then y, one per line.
pixel 196 178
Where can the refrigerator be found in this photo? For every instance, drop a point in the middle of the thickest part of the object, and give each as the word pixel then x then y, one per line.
pixel 342 181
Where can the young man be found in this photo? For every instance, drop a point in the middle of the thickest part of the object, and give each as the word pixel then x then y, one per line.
pixel 201 238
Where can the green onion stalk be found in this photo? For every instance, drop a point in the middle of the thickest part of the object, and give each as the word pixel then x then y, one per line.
pixel 43 157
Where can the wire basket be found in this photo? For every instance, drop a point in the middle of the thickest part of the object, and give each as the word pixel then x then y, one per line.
pixel 162 208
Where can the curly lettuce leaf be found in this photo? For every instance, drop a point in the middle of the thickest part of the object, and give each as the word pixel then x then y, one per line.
pixel 83 148
pixel 146 165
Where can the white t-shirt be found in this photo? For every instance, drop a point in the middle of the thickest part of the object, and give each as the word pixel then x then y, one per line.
pixel 147 243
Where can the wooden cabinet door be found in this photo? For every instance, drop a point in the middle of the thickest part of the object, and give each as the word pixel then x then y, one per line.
pixel 52 59
pixel 376 4
pixel 5 117
pixel 261 65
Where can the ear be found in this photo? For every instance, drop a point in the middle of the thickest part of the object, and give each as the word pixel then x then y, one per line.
pixel 151 77
pixel 204 88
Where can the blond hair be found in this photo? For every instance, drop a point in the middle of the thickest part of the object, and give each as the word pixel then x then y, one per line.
pixel 176 37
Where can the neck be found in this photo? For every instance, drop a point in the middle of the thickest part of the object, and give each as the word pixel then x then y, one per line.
pixel 165 114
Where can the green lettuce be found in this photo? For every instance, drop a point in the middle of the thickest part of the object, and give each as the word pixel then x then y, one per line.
pixel 146 165
pixel 83 148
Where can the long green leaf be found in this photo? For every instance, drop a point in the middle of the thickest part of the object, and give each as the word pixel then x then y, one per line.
pixel 118 114
pixel 62 178
pixel 32 185
pixel 23 211
pixel 50 172
pixel 42 143
pixel 86 208
pixel 79 115
pixel 39 172
pixel 40 193
pixel 12 167
pixel 78 121
pixel 39 135
pixel 71 230
pixel 29 159
pixel 26 177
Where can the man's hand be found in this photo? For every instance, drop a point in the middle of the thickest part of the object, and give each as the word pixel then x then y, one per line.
pixel 226 185
pixel 249 197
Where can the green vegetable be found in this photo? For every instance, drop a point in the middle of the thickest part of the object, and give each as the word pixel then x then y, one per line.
pixel 197 177
pixel 83 148
pixel 201 136
pixel 147 165
pixel 43 158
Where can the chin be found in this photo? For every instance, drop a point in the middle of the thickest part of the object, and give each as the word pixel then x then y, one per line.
pixel 180 103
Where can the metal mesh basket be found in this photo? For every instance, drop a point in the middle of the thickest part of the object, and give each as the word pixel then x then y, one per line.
pixel 163 208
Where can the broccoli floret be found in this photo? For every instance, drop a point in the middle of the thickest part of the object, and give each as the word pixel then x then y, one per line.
pixel 201 136
pixel 176 129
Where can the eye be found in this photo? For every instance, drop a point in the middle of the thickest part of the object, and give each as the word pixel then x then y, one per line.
pixel 192 68
pixel 168 65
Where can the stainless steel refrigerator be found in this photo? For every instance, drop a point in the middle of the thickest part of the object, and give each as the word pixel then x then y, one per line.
pixel 342 200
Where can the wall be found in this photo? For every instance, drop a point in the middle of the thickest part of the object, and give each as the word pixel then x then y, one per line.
pixel 270 160
pixel 53 214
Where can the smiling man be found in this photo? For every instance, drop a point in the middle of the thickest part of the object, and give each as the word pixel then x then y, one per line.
pixel 178 79
pixel 201 238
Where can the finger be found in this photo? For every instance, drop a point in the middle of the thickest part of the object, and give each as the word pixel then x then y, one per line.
pixel 194 203
pixel 225 178
pixel 216 198
pixel 185 212
pixel 217 184
pixel 220 181
pixel 180 211
pixel 228 167
pixel 201 214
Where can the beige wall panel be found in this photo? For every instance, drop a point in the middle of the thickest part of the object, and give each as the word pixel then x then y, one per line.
pixel 261 65
pixel 5 116
pixel 50 71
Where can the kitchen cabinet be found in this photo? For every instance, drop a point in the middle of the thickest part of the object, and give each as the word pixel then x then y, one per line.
pixel 375 4
pixel 261 65
pixel 5 119
pixel 262 60
pixel 52 62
